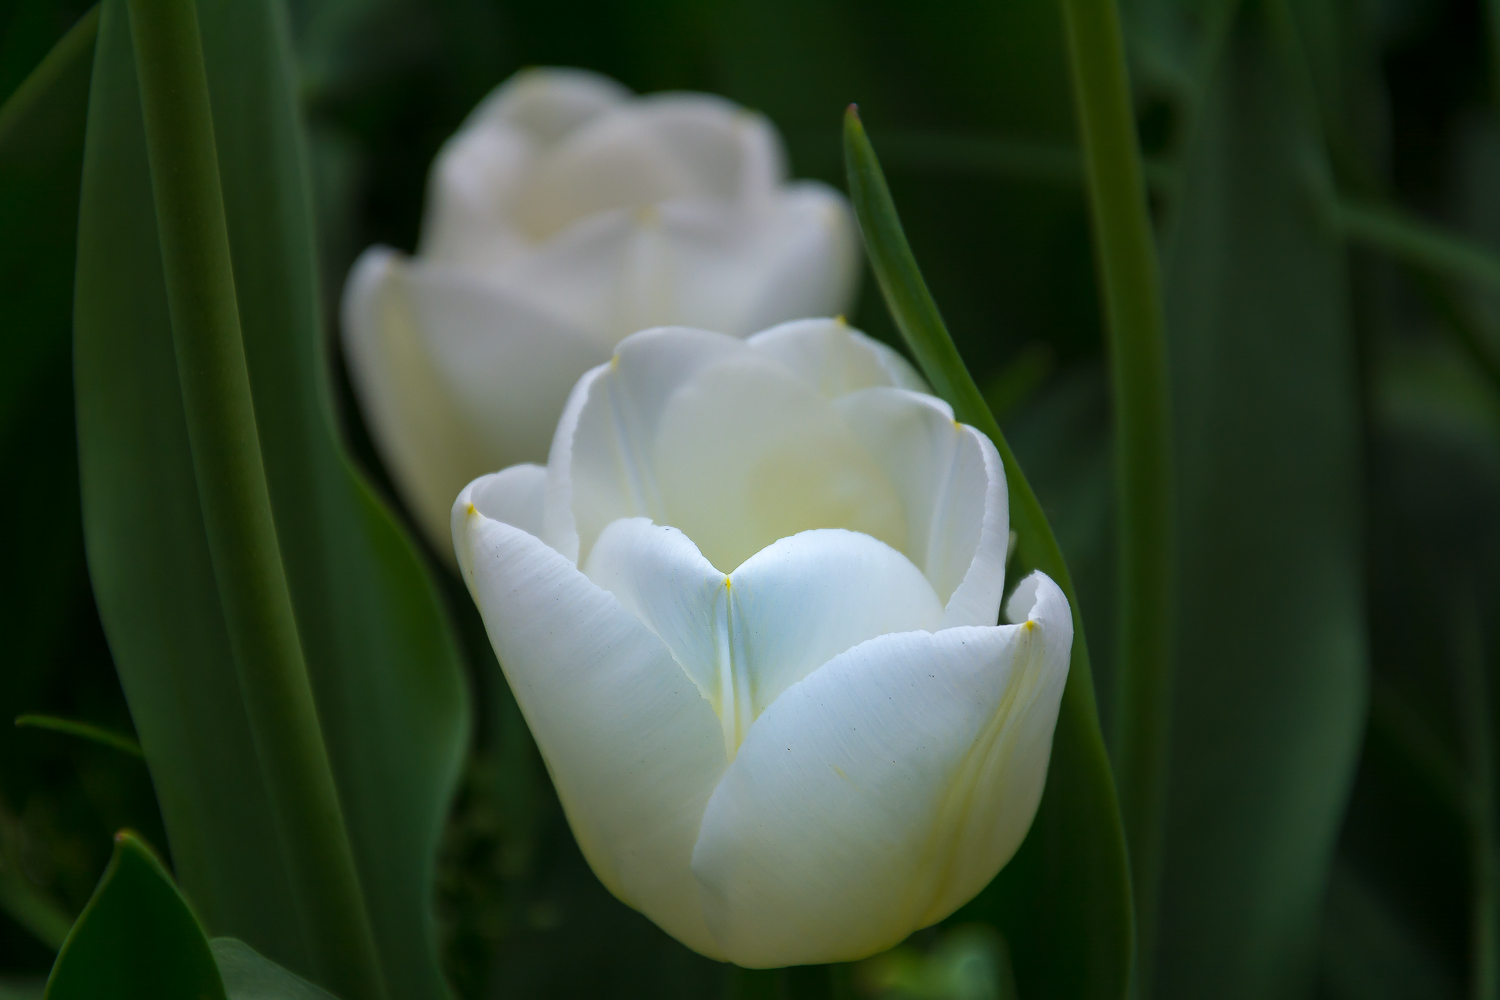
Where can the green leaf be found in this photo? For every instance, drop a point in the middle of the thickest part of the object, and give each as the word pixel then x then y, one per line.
pixel 1064 900
pixel 248 975
pixel 137 938
pixel 1126 252
pixel 381 658
pixel 1270 677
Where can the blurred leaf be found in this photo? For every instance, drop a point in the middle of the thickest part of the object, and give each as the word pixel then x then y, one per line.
pixel 137 938
pixel 250 976
pixel 1270 687
pixel 383 663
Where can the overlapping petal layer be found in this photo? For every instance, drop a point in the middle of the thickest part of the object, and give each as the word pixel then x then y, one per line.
pixel 565 215
pixel 789 551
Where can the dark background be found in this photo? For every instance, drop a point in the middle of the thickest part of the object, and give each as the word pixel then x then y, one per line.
pixel 1327 389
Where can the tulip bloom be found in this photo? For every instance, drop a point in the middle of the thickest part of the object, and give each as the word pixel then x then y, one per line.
pixel 749 610
pixel 566 214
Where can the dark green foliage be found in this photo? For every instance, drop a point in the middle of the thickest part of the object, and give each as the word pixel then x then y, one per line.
pixel 383 666
pixel 1338 448
pixel 137 939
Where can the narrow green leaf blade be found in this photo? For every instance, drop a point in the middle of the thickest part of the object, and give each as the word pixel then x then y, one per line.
pixel 1064 900
pixel 1270 678
pixel 382 661
pixel 137 939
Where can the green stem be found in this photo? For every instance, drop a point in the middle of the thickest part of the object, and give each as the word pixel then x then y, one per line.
pixel 73 46
pixel 83 730
pixel 236 501
pixel 1126 251
pixel 921 325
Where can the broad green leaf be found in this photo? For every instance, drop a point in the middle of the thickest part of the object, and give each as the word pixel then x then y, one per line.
pixel 383 663
pixel 248 975
pixel 137 938
pixel 1270 677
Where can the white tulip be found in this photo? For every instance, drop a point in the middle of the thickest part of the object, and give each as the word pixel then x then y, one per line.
pixel 564 215
pixel 748 609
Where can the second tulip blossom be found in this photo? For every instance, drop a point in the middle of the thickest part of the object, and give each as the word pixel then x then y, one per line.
pixel 566 214
pixel 749 611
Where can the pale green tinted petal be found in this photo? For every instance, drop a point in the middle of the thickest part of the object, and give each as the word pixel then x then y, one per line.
pixel 882 791
pixel 952 485
pixel 792 606
pixel 747 452
pixel 430 447
pixel 834 357
pixel 599 469
pixel 632 747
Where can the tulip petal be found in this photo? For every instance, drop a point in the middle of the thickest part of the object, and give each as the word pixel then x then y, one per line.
pixel 547 103
pixel 515 495
pixel 456 377
pixel 480 173
pixel 746 453
pixel 886 788
pixel 633 748
pixel 952 485
pixel 423 436
pixel 744 637
pixel 700 262
pixel 643 152
pixel 599 467
pixel 834 357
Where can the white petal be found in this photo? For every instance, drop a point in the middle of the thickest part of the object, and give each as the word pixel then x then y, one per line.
pixel 808 258
pixel 599 468
pixel 747 453
pixel 477 177
pixel 508 368
pixel 835 357
pixel 807 598
pixel 881 792
pixel 631 745
pixel 548 103
pixel 952 487
pixel 515 495
pixel 427 442
pixel 639 153
pixel 788 609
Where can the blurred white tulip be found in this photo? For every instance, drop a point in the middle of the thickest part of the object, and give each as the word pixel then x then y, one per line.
pixel 749 610
pixel 565 214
